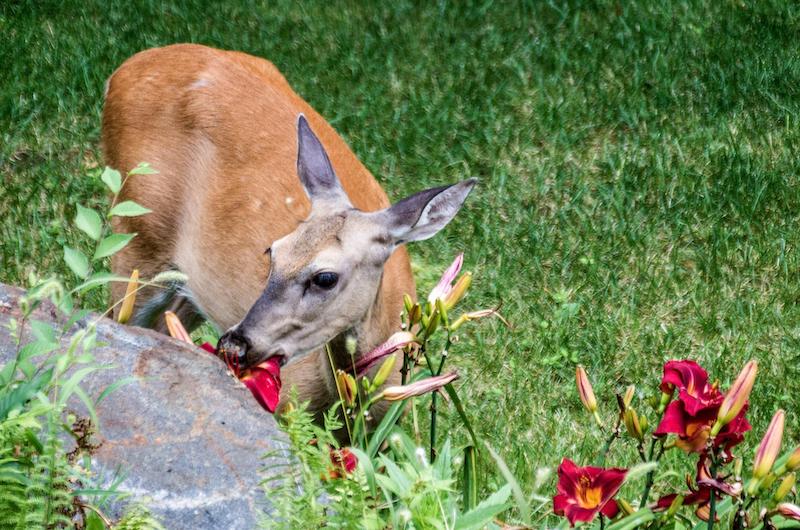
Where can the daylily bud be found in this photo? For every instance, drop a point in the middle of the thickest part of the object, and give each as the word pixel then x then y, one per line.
pixel 458 291
pixel 175 327
pixel 126 311
pixel 794 460
pixel 631 420
pixel 433 322
pixel 677 502
pixel 664 401
pixel 445 284
pixel 408 303
pixel 628 397
pixel 398 340
pixel 736 398
pixel 770 446
pixel 384 371
pixel 585 389
pixel 397 393
pixel 643 423
pixel 624 506
pixel 737 468
pixel 441 310
pixel 786 486
pixel 346 385
pixel 789 510
pixel 415 315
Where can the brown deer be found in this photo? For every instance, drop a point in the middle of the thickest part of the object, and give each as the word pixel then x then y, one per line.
pixel 288 244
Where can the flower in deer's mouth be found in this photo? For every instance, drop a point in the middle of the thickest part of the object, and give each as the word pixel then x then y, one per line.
pixel 583 492
pixel 264 381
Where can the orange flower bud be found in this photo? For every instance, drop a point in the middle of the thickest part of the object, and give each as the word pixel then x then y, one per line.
pixel 585 390
pixel 346 386
pixel 737 396
pixel 175 327
pixel 770 446
pixel 628 397
pixel 458 291
pixel 794 460
pixel 128 301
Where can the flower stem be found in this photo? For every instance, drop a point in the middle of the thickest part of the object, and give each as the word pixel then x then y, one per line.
pixel 652 474
pixel 712 501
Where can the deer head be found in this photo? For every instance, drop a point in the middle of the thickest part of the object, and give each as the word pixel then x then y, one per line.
pixel 325 275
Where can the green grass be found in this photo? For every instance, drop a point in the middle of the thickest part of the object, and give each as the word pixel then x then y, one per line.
pixel 638 164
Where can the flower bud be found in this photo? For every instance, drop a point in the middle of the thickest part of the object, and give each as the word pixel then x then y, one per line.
pixel 794 460
pixel 628 397
pixel 408 303
pixel 585 390
pixel 770 445
pixel 789 510
pixel 625 507
pixel 415 315
pixel 384 371
pixel 737 396
pixel 786 486
pixel 126 311
pixel 346 386
pixel 458 291
pixel 418 388
pixel 677 502
pixel 175 327
pixel 643 423
pixel 631 420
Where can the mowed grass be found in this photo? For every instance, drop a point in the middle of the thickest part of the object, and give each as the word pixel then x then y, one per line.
pixel 638 164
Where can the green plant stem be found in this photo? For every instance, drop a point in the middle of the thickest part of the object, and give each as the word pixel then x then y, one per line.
pixel 652 474
pixel 712 504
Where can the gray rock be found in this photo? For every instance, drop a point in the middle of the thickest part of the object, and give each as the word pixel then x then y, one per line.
pixel 187 436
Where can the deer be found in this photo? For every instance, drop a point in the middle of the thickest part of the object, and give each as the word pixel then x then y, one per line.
pixel 285 239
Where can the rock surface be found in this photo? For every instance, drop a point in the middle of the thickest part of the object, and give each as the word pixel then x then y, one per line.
pixel 186 436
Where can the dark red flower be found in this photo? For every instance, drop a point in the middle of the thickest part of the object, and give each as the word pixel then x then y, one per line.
pixel 585 491
pixel 700 494
pixel 264 381
pixel 344 462
pixel 691 381
pixel 695 411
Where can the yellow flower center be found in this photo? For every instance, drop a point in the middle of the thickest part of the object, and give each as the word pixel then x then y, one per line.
pixel 588 497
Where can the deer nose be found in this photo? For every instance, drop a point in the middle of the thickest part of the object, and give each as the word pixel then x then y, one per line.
pixel 232 348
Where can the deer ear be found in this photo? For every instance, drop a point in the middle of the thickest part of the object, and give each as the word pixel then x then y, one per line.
pixel 314 167
pixel 423 214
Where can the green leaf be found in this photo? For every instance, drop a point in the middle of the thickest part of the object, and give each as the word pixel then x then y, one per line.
pixel 77 262
pixel 100 278
pixel 485 511
pixel 113 387
pixel 129 209
pixel 142 169
pixel 636 519
pixel 111 245
pixel 89 221
pixel 44 331
pixel 451 391
pixel 112 179
pixel 470 482
pixel 519 498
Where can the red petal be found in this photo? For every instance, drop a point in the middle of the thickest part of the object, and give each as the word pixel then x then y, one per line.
pixel 265 383
pixel 673 421
pixel 611 509
pixel 568 475
pixel 683 375
pixel 208 347
pixel 560 504
pixel 665 502
pixel 575 513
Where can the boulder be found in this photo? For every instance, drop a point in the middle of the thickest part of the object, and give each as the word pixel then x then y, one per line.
pixel 185 435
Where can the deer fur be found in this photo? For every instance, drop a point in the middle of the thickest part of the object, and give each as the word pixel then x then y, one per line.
pixel 229 211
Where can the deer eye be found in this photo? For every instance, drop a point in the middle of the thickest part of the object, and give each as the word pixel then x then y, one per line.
pixel 325 280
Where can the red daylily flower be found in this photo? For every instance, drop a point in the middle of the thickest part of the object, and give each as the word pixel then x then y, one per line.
pixel 691 381
pixel 701 493
pixel 344 462
pixel 264 381
pixel 585 491
pixel 694 413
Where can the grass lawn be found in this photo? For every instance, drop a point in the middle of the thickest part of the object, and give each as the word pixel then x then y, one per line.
pixel 638 164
